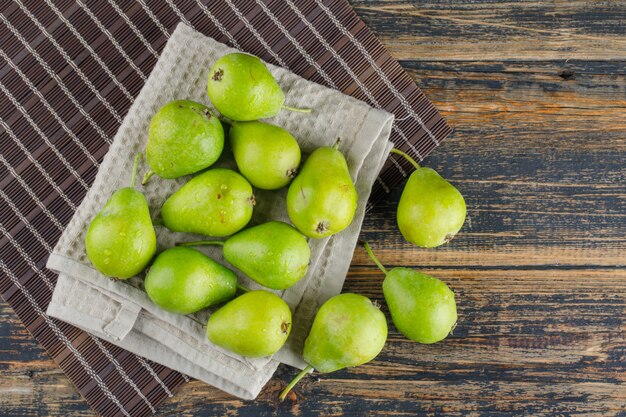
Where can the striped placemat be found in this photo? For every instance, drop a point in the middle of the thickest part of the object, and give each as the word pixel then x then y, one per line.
pixel 69 71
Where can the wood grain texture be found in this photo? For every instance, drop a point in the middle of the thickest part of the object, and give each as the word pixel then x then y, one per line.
pixel 499 30
pixel 537 95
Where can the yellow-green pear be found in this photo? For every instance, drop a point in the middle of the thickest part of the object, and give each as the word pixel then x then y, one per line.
pixel 267 155
pixel 422 307
pixel 255 324
pixel 183 138
pixel 184 280
pixel 218 202
pixel 242 88
pixel 431 211
pixel 348 330
pixel 274 254
pixel 322 199
pixel 120 241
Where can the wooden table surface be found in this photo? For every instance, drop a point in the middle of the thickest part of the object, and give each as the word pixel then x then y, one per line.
pixel 536 93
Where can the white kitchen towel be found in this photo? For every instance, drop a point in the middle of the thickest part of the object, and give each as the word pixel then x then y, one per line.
pixel 122 313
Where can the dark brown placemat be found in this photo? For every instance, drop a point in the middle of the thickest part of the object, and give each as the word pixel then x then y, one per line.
pixel 69 71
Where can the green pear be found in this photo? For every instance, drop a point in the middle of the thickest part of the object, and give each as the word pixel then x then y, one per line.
pixel 274 254
pixel 322 199
pixel 255 324
pixel 267 155
pixel 431 211
pixel 184 280
pixel 422 307
pixel 217 202
pixel 120 241
pixel 241 87
pixel 183 138
pixel 348 330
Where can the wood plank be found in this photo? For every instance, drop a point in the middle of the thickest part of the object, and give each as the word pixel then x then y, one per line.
pixel 503 31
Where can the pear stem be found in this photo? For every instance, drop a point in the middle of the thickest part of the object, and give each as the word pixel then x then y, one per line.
pixel 135 168
pixel 296 109
pixel 201 243
pixel 242 288
pixel 336 145
pixel 293 382
pixel 406 156
pixel 374 258
pixel 147 176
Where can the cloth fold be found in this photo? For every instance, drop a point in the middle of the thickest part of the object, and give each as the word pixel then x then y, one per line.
pixel 121 312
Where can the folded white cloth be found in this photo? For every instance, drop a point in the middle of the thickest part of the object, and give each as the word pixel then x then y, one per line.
pixel 122 313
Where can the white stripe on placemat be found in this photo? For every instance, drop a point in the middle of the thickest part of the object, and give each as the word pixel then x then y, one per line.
pixel 179 13
pixel 36 163
pixel 146 365
pixel 43 136
pixel 30 192
pixel 402 171
pixel 378 70
pixel 295 43
pixel 93 53
pixel 59 333
pixel 24 220
pixel 133 28
pixel 382 184
pixel 122 372
pixel 70 62
pixel 27 258
pixel 56 78
pixel 351 73
pixel 218 24
pixel 256 34
pixel 49 107
pixel 152 16
pixel 116 45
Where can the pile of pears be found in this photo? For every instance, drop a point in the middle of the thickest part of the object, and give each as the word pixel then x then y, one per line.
pixel 187 138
